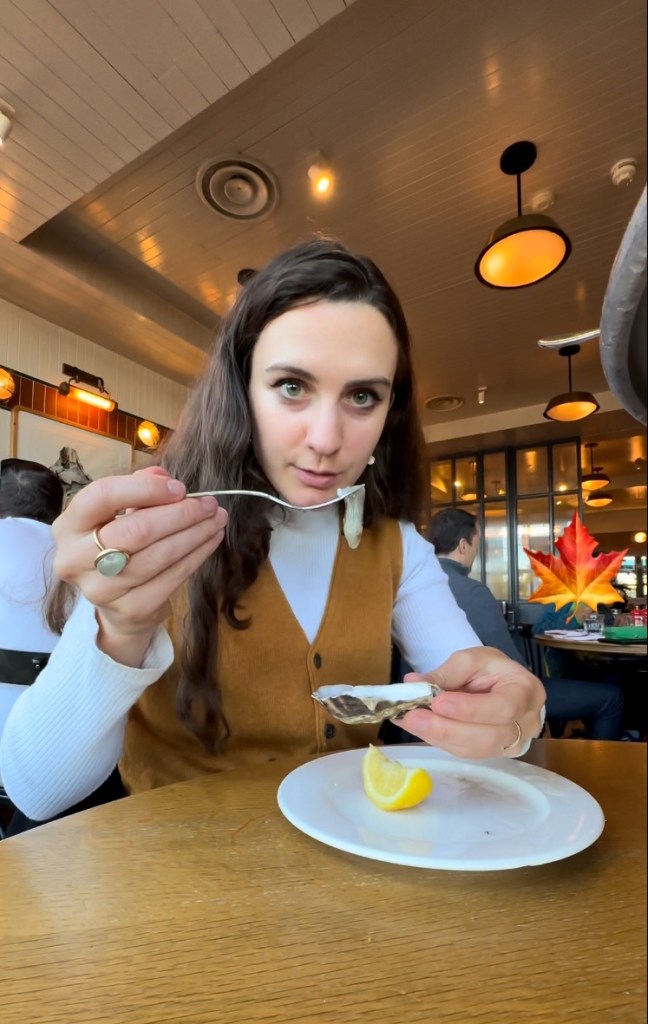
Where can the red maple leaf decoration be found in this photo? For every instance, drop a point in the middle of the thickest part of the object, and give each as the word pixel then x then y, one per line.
pixel 577 577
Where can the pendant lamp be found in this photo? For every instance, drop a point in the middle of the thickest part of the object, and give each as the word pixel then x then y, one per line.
pixel 571 405
pixel 596 478
pixel 598 499
pixel 529 247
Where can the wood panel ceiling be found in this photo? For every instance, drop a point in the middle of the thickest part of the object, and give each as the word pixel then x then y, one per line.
pixel 119 104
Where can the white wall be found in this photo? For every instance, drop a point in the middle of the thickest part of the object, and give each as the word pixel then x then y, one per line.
pixel 39 348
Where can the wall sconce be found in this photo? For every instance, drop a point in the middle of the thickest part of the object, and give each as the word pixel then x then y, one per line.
pixel 100 398
pixel 148 434
pixel 7 385
pixel 481 395
pixel 640 537
pixel 6 124
pixel 321 177
pixel 528 248
pixel 571 405
pixel 596 478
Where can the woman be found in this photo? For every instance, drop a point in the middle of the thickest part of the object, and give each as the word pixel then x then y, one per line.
pixel 309 389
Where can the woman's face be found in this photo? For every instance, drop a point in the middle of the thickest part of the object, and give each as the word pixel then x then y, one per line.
pixel 320 390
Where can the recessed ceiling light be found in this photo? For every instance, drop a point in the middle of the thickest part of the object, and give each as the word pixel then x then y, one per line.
pixel 444 403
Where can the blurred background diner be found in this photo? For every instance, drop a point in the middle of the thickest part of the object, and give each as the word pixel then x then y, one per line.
pixel 491 159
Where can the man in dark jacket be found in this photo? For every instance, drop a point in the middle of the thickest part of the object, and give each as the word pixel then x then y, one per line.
pixel 456 537
pixel 455 534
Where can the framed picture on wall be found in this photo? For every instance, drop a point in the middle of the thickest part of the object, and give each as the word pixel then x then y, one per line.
pixel 77 456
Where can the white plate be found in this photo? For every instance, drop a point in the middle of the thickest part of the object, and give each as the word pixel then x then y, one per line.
pixel 480 816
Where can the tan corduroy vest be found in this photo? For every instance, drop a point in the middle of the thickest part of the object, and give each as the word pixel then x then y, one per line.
pixel 268 672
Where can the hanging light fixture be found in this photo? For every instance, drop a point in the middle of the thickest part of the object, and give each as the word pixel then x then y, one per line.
pixel 596 478
pixel 571 405
pixel 100 398
pixel 527 248
pixel 599 499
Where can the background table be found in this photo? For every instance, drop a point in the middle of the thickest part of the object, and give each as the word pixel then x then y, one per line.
pixel 200 903
pixel 593 647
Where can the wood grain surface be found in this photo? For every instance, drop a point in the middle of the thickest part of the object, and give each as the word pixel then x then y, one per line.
pixel 200 904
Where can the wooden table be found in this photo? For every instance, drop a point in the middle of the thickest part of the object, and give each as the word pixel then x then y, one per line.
pixel 200 903
pixel 593 647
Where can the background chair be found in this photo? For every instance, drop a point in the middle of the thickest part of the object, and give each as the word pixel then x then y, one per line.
pixel 534 659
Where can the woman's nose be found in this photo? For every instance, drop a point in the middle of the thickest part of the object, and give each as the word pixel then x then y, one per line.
pixel 325 429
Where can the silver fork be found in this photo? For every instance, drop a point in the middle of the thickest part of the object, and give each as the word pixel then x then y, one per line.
pixel 343 492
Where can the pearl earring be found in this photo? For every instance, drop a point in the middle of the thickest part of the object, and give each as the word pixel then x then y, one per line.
pixel 372 459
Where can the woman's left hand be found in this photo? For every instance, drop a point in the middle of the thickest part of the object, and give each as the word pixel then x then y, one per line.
pixel 488 697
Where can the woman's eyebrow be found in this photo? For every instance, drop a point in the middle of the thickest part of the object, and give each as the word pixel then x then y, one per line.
pixel 298 371
pixel 370 382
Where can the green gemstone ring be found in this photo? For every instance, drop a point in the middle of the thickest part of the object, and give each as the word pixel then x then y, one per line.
pixel 109 561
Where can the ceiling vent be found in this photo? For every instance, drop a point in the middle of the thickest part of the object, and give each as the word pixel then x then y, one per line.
pixel 444 403
pixel 237 188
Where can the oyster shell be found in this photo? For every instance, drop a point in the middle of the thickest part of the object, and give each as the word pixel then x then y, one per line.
pixel 353 513
pixel 358 705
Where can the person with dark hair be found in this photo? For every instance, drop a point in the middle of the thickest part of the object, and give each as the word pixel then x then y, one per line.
pixel 456 536
pixel 309 390
pixel 29 490
pixel 31 497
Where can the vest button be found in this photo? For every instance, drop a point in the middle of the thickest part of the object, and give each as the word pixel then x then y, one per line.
pixel 329 731
pixel 317 661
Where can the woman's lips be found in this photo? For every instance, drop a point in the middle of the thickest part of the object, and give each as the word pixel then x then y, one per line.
pixel 321 481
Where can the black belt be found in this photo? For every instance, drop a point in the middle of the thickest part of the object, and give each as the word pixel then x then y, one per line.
pixel 21 667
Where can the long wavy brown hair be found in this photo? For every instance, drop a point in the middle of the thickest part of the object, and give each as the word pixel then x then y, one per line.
pixel 212 449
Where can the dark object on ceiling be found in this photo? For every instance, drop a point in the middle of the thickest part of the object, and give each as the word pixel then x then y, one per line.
pixel 623 319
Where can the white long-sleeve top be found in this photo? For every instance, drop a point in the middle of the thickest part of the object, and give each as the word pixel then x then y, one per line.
pixel 26 556
pixel 65 733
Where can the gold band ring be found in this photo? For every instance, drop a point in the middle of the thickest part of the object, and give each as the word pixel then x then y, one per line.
pixel 109 561
pixel 518 739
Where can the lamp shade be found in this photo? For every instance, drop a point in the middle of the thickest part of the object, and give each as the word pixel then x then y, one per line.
pixel 7 384
pixel 522 251
pixel 527 248
pixel 571 406
pixel 599 499
pixel 596 478
pixel 594 481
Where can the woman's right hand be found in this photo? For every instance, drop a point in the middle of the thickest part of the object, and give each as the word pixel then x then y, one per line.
pixel 167 537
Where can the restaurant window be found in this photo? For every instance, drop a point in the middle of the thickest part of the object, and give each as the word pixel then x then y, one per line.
pixel 494 475
pixel 632 576
pixel 565 467
pixel 522 497
pixel 533 532
pixel 441 490
pixel 496 550
pixel 531 471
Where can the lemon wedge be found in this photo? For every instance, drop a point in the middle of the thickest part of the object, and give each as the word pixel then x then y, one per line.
pixel 390 785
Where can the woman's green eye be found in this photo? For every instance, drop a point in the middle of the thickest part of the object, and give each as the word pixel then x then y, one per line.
pixel 363 398
pixel 290 389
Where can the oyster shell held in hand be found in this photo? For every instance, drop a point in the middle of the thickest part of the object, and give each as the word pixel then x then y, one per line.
pixel 361 705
